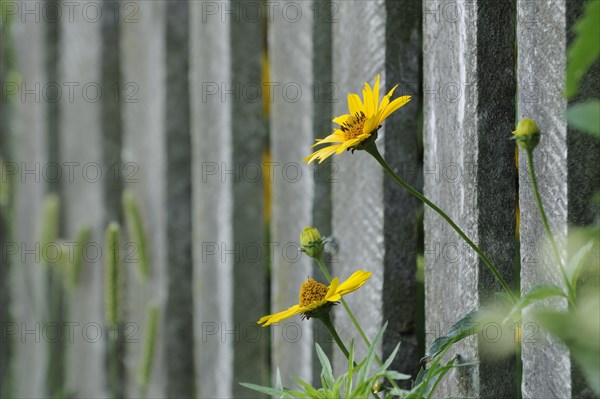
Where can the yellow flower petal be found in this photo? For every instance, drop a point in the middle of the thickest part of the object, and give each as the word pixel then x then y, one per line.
pixel 368 100
pixel 371 124
pixel 376 92
pixel 322 153
pixel 393 106
pixel 386 99
pixel 335 137
pixel 332 287
pixel 347 144
pixel 354 282
pixel 312 306
pixel 277 317
pixel 354 104
pixel 341 119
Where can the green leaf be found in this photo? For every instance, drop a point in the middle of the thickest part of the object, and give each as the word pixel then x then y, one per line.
pixel 421 375
pixel 351 369
pixel 585 48
pixel 309 389
pixel 585 116
pixel 577 261
pixel 395 375
pixel 390 359
pixel 327 372
pixel 365 365
pixel 278 383
pixel 265 390
pixel 437 377
pixel 537 293
pixel 469 325
pixel 580 332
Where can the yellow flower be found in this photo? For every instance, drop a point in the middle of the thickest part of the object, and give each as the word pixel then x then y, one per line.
pixel 362 123
pixel 315 297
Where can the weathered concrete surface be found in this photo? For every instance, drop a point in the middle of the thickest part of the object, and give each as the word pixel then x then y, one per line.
pixel 542 46
pixel 249 132
pixel 401 209
pixel 375 222
pixel 470 173
pixel 27 277
pixel 179 316
pixel 293 186
pixel 211 138
pixel 322 113
pixel 143 170
pixel 81 142
pixel 357 191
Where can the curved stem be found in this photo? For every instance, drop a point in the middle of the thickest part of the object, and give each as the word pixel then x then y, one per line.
pixel 540 206
pixel 353 318
pixel 345 305
pixel 327 321
pixel 372 149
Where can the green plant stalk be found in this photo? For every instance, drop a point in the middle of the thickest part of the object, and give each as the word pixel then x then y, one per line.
pixel 83 237
pixel 372 149
pixel 327 322
pixel 353 318
pixel 345 305
pixel 136 229
pixel 148 353
pixel 434 364
pixel 324 317
pixel 540 206
pixel 114 361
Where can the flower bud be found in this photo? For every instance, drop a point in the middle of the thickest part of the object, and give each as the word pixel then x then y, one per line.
pixel 527 134
pixel 312 243
pixel 378 387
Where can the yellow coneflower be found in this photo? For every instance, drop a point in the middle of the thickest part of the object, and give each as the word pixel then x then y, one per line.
pixel 362 123
pixel 315 297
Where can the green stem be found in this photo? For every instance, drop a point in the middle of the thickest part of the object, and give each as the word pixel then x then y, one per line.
pixel 540 206
pixel 113 336
pixel 327 321
pixel 353 318
pixel 345 305
pixel 372 149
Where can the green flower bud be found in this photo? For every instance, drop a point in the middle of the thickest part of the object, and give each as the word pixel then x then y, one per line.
pixel 312 242
pixel 378 387
pixel 527 134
